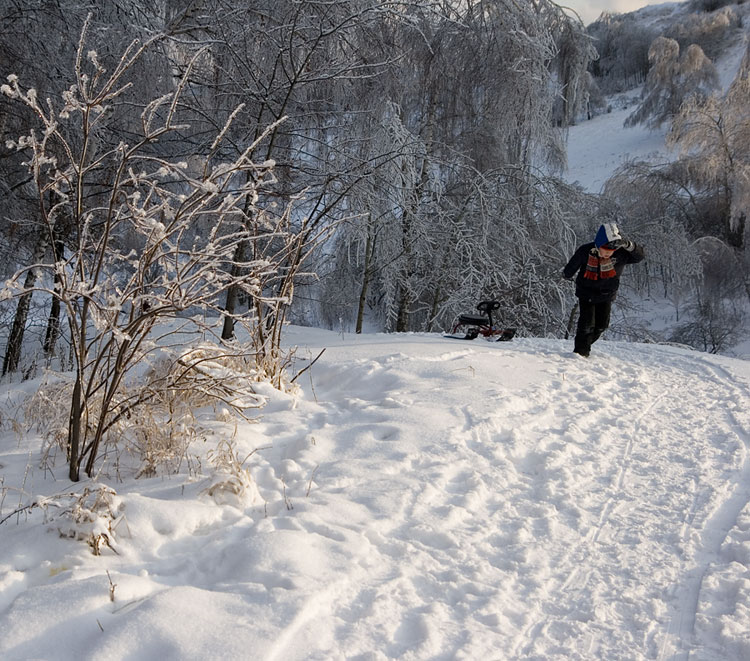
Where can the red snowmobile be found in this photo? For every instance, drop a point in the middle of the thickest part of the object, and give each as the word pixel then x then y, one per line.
pixel 469 327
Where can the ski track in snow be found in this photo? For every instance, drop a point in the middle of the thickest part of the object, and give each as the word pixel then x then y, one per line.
pixel 490 501
pixel 714 530
pixel 558 591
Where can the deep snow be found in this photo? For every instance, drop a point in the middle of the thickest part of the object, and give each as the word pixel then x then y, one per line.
pixel 419 498
pixel 599 146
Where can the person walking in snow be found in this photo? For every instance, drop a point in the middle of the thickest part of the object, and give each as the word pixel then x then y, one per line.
pixel 599 266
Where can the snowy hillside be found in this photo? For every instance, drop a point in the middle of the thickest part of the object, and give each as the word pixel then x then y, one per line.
pixel 597 147
pixel 420 498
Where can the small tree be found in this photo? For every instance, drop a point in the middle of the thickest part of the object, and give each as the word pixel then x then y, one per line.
pixel 713 135
pixel 672 79
pixel 156 241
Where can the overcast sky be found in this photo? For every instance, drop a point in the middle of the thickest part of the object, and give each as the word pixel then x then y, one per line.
pixel 589 10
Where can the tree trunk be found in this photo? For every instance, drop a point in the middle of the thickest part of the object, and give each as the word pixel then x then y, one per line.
pixel 433 310
pixel 233 293
pixel 230 306
pixel 78 343
pixel 15 339
pixel 369 249
pixel 53 323
pixel 118 372
pixel 227 331
pixel 402 320
pixel 74 431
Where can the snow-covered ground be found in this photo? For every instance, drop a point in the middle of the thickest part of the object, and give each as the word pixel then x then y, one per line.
pixel 599 146
pixel 419 498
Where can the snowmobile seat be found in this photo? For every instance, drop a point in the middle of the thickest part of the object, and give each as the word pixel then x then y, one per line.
pixel 486 307
pixel 473 320
pixel 472 325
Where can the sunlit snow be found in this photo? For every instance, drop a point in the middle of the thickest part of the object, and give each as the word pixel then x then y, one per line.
pixel 419 498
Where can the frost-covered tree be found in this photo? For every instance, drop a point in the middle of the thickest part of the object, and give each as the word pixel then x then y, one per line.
pixel 155 242
pixel 475 86
pixel 622 44
pixel 575 51
pixel 658 207
pixel 713 135
pixel 38 39
pixel 711 31
pixel 313 64
pixel 672 79
pixel 474 98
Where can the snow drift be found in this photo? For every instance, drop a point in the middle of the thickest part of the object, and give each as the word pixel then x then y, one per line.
pixel 419 498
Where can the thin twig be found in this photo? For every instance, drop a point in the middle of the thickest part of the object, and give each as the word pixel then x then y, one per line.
pixel 304 369
pixel 112 587
pixel 309 484
pixel 18 511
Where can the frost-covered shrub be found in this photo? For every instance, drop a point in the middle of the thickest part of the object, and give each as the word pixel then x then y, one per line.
pixel 622 44
pixel 157 237
pixel 709 30
pixel 93 515
pixel 153 422
pixel 711 5
pixel 232 481
pixel 713 326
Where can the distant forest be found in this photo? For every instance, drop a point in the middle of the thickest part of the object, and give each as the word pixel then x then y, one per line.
pixel 350 164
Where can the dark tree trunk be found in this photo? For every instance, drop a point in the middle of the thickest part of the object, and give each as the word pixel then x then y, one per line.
pixel 53 323
pixel 402 320
pixel 230 306
pixel 369 248
pixel 15 339
pixel 74 432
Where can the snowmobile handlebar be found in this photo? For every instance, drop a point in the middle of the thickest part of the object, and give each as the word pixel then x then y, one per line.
pixel 488 306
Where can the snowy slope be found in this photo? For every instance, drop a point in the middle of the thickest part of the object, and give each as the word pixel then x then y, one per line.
pixel 597 147
pixel 420 498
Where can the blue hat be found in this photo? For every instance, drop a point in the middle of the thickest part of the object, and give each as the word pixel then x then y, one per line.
pixel 607 232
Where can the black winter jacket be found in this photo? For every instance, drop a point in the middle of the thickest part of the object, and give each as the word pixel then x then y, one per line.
pixel 599 291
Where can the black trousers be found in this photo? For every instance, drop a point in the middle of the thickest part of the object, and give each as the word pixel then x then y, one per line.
pixel 593 320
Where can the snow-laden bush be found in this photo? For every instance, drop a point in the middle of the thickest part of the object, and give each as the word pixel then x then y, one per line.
pixel 232 481
pixel 93 515
pixel 713 326
pixel 674 77
pixel 157 239
pixel 153 420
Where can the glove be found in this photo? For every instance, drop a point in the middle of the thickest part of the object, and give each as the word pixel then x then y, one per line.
pixel 621 243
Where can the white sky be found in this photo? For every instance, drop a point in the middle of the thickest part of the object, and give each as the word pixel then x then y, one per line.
pixel 589 10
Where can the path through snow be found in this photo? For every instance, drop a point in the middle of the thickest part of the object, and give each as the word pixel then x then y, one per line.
pixel 430 499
